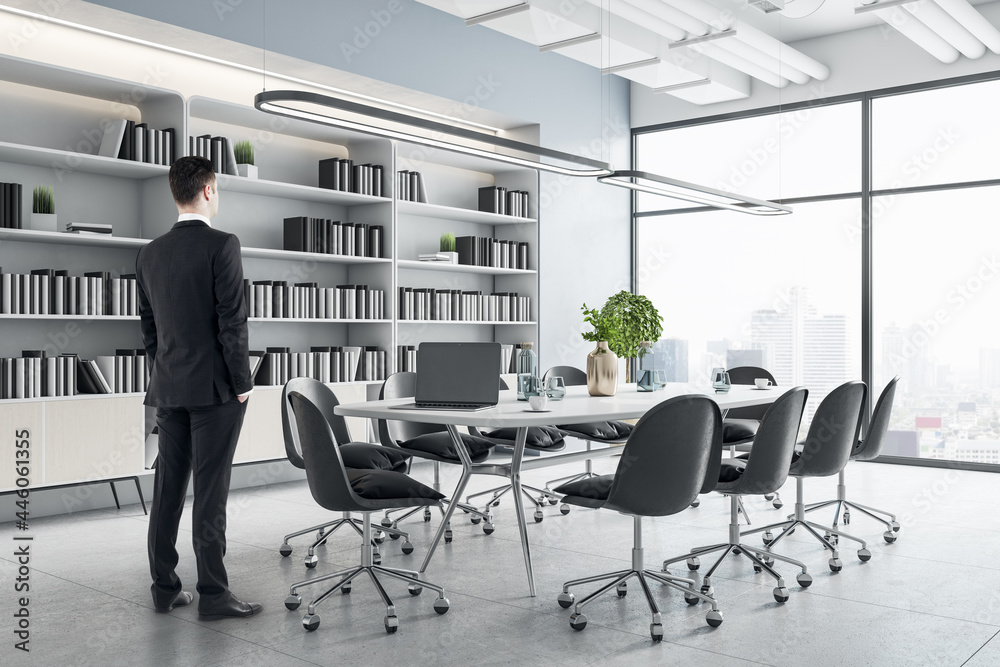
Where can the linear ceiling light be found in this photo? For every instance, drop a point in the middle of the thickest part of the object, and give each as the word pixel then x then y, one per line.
pixel 950 30
pixel 330 111
pixel 974 22
pixel 655 184
pixel 239 66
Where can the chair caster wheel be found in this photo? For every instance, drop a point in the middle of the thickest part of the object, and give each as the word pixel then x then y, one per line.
pixel 693 563
pixel 442 605
pixel 578 621
pixel 386 522
pixel 847 517
pixel 346 589
pixel 691 598
pixel 757 568
pixel 565 600
pixel 476 519
pixel 768 496
pixel 553 501
pixel 777 504
pixel 836 565
pixel 707 589
pixel 895 526
pixel 767 537
pixel 622 589
pixel 780 594
pixel 696 503
pixel 737 552
pixel 714 618
pixel 656 631
pixel 414 589
pixel 320 535
pixel 488 528
pixel 889 536
pixel 427 515
pixel 379 537
pixel 864 555
pixel 311 561
pixel 407 547
pixel 495 503
pixel 394 536
pixel 293 601
pixel 564 509
pixel 538 516
pixel 391 624
pixel 285 550
pixel 831 538
pixel 447 536
pixel 376 559
pixel 804 578
pixel 310 622
pixel 768 560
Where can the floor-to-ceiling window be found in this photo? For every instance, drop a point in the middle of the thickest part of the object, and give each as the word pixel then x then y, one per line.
pixel 786 292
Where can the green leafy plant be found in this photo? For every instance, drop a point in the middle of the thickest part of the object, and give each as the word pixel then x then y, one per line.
pixel 633 318
pixel 43 200
pixel 602 326
pixel 243 151
pixel 447 243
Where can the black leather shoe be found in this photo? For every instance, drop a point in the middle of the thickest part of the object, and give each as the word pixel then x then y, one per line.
pixel 231 608
pixel 182 599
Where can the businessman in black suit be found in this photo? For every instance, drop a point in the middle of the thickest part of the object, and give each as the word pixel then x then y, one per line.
pixel 194 329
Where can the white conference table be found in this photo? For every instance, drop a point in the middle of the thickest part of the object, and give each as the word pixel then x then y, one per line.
pixel 577 407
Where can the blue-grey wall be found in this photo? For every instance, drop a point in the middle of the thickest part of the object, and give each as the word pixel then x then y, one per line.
pixel 584 225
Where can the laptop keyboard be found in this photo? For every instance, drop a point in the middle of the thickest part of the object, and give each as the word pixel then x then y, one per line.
pixel 425 404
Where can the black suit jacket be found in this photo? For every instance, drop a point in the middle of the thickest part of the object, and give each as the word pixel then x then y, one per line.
pixel 194 321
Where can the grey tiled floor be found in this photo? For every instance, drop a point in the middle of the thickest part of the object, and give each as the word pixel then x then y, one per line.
pixel 931 598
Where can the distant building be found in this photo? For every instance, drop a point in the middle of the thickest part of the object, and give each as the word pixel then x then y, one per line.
pixel 672 357
pixel 989 368
pixel 736 358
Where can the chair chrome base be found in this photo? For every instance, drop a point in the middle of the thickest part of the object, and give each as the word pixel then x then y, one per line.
pixel 830 539
pixel 586 474
pixel 325 530
pixel 500 491
pixel 761 558
pixel 618 581
pixel 311 620
pixel 843 507
pixel 477 515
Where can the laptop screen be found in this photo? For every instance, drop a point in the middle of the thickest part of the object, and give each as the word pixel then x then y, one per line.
pixel 458 373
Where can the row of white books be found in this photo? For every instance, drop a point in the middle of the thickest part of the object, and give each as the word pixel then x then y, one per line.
pixel 406 358
pixel 51 292
pixel 36 375
pixel 325 364
pixel 278 299
pixel 465 306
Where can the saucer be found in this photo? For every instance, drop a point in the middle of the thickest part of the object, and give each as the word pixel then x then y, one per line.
pixel 545 410
pixel 761 388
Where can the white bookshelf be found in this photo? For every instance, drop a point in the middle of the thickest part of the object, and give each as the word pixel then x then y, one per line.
pixel 441 212
pixel 416 265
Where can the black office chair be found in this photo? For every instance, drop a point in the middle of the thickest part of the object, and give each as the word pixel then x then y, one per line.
pixel 428 441
pixel 827 448
pixel 740 424
pixel 539 439
pixel 764 472
pixel 866 450
pixel 672 456
pixel 612 432
pixel 342 489
pixel 358 455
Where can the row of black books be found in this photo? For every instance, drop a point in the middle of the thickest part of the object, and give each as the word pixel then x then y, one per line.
pixel 55 292
pixel 10 206
pixel 217 149
pixel 406 358
pixel 278 299
pixel 349 363
pixel 332 237
pixel 36 374
pixel 342 174
pixel 89 228
pixel 128 140
pixel 497 199
pixel 498 253
pixel 462 306
pixel 410 186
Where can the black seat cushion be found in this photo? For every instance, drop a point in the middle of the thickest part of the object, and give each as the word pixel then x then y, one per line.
pixel 730 472
pixel 587 492
pixel 365 456
pixel 737 430
pixel 387 485
pixel 542 438
pixel 439 445
pixel 607 431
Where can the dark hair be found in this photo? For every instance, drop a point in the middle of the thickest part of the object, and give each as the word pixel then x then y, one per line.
pixel 188 176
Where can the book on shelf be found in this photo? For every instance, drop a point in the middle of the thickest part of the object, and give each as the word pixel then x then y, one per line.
pixel 114 134
pixel 332 237
pixel 36 374
pixel 498 199
pixel 462 306
pixel 89 227
pixel 10 206
pixel 435 257
pixel 219 150
pixel 344 175
pixel 410 186
pixel 497 253
pixel 346 363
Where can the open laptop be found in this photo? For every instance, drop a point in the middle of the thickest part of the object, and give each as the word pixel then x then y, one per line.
pixel 456 376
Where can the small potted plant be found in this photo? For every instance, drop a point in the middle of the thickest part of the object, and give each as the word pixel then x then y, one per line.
pixel 634 320
pixel 447 247
pixel 602 362
pixel 243 151
pixel 43 209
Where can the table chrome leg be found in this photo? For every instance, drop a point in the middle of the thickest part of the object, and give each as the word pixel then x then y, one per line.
pixel 463 454
pixel 515 481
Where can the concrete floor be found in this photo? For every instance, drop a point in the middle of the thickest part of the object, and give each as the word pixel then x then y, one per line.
pixel 931 598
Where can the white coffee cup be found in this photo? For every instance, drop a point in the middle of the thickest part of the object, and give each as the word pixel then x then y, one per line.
pixel 762 383
pixel 538 402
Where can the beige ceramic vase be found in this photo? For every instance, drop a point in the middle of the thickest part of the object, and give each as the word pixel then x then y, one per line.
pixel 602 371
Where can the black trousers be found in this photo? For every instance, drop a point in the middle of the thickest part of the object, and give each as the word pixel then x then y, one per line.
pixel 202 441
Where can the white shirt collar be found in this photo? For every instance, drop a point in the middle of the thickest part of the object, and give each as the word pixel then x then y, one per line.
pixel 194 216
